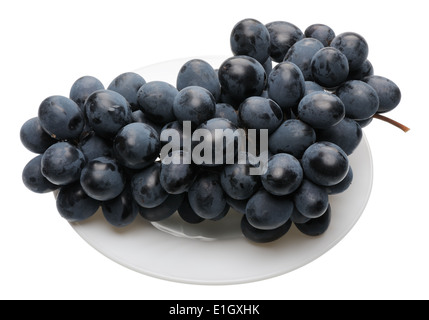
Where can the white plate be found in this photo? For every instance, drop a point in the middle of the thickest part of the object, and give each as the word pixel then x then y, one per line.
pixel 216 252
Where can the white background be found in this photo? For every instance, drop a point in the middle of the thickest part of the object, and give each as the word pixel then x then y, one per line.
pixel 46 45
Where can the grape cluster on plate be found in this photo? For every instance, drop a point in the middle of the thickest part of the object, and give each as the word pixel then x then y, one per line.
pixel 300 98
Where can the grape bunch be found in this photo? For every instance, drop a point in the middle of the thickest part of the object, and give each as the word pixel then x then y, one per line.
pixel 293 102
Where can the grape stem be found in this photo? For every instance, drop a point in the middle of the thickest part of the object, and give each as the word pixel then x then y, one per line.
pixel 391 121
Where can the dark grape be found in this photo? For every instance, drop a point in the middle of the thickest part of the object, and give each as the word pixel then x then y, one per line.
pixel 293 137
pixel 321 32
pixel 206 196
pixel 283 175
pixel 260 113
pixel 82 89
pixel 136 145
pixel 353 46
pixel 237 182
pixel 102 179
pixel 329 67
pixel 347 134
pixel 186 212
pixel 34 137
pixel 325 163
pixel 194 104
pixel 197 72
pixel 156 99
pixel 263 236
pixel 251 38
pixel 286 85
pixel 177 174
pixel 93 146
pixel 388 92
pixel 283 35
pixel 266 211
pixel 321 109
pixel 343 185
pixel 226 111
pixel 301 54
pixel 146 187
pixel 163 211
pixel 128 84
pixel 107 112
pixel 122 210
pixel 61 117
pixel 241 77
pixel 311 200
pixel 317 226
pixel 359 98
pixel 33 178
pixel 74 204
pixel 62 163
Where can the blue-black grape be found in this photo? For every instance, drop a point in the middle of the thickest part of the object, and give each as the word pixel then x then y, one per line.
pixel 283 35
pixel 33 178
pixel 61 117
pixel 329 67
pixel 197 72
pixel 359 98
pixel 263 236
pixel 128 84
pixel 260 113
pixel 251 38
pixel 353 46
pixel 216 149
pixel 163 211
pixel 293 136
pixel 146 186
pixel 321 32
pixel 321 109
pixel 82 88
pixel 136 145
pixel 176 136
pixel 283 175
pixel 237 205
pixel 139 116
pixel 62 163
pixel 317 226
pixel 388 92
pixel 241 77
pixel 226 111
pixel 298 217
pixel 155 99
pixel 177 174
pixel 301 54
pixel 94 146
pixel 186 212
pixel 266 211
pixel 365 70
pixel 194 104
pixel 347 134
pixel 102 178
pixel 343 185
pixel 107 112
pixel 237 182
pixel 311 200
pixel 34 137
pixel 206 195
pixel 311 86
pixel 74 204
pixel 122 210
pixel 325 163
pixel 286 85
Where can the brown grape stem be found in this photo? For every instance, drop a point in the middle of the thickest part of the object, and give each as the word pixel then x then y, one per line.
pixel 391 121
